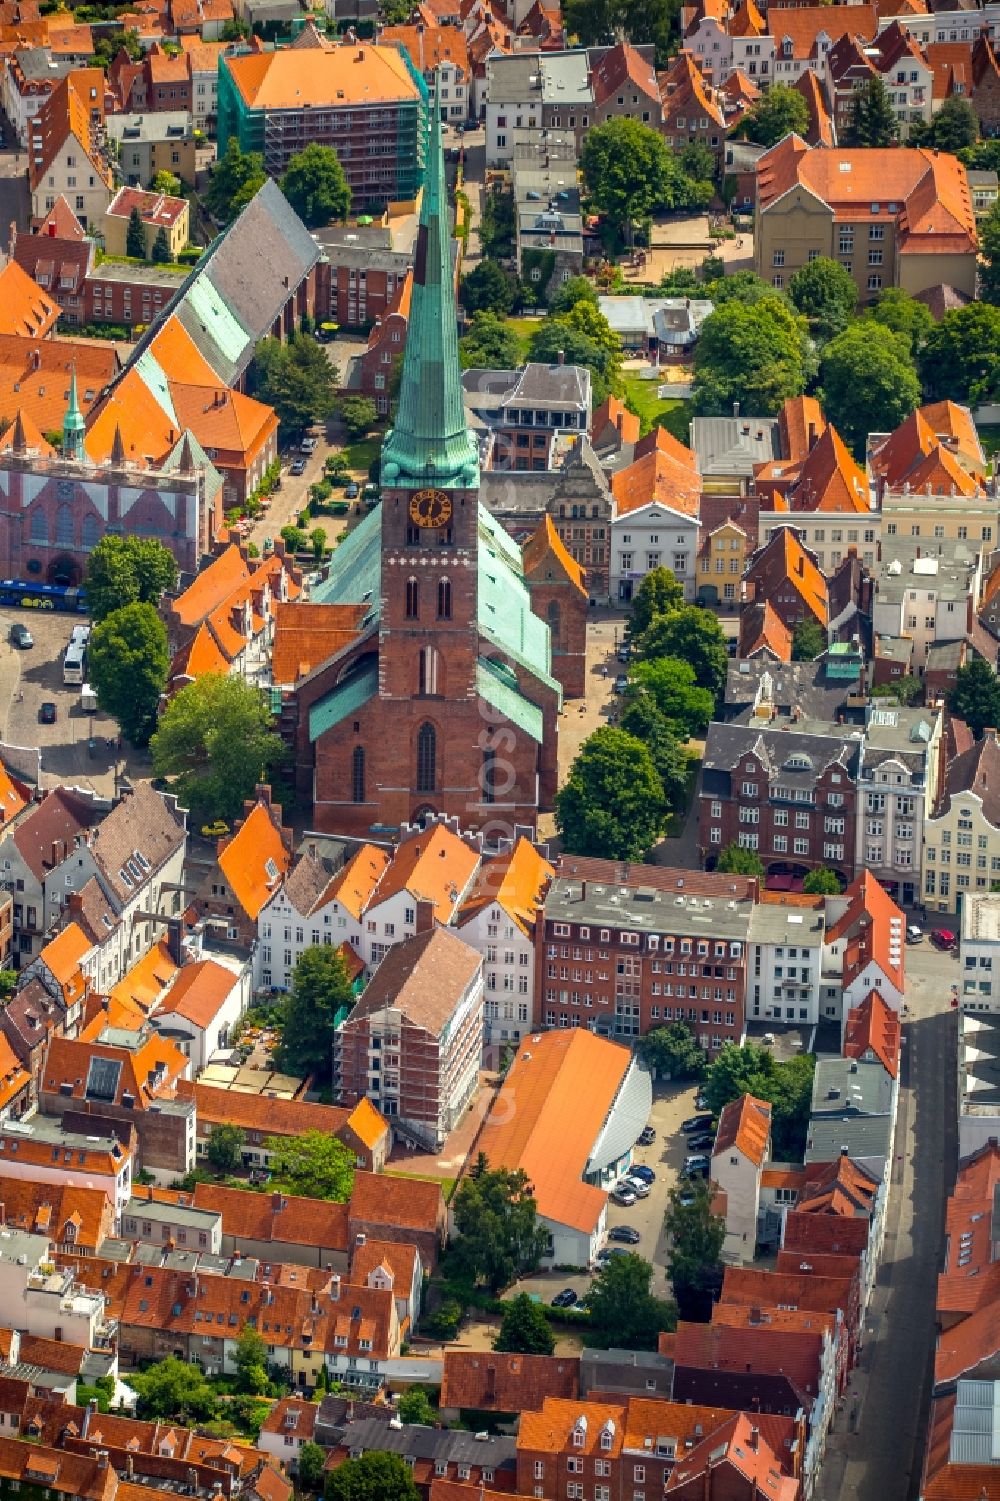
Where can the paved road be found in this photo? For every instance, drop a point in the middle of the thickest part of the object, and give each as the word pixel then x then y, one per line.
pixel 15 200
pixel 890 1390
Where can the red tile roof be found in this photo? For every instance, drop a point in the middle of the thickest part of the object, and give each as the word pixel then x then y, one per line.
pixel 745 1124
pixel 794 1354
pixel 493 1382
pixel 873 1027
pixel 873 927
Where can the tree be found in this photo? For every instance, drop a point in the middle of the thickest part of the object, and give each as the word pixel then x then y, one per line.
pixel 376 1476
pixel 174 1390
pixel 573 290
pixel 642 22
pixel 315 185
pixel 312 1463
pixel 695 636
pixel 904 315
pixel 954 128
pixel 658 594
pixel 787 1088
pixel 628 172
pixel 873 119
pixel 321 988
pixel 413 1406
pixel 217 738
pixel 612 803
pixel 672 1051
pixel 976 696
pixel 317 540
pixel 161 248
pixel 989 255
pixel 698 162
pixel 743 286
pixel 826 294
pixel 960 360
pixel 294 538
pixel 496 1221
pixel 869 382
pixel 126 571
pixel 822 882
pixel 808 640
pixel 643 719
pixel 623 1306
pixel 359 414
pixel 489 288
pixel 583 336
pixel 694 1263
pixel 490 344
pixel 905 690
pixel 166 182
pixel 673 688
pixel 297 379
pixel 314 1165
pixel 779 111
pixel 251 1362
pixel 736 861
pixel 236 178
pixel 524 1329
pixel 135 236
pixel 225 1148
pixel 752 353
pixel 128 665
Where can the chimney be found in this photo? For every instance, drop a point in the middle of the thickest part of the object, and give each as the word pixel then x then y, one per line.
pixel 425 915
pixel 13 236
pixel 736 409
pixel 802 566
pixel 620 423
pixel 812 436
pixel 491 1383
pixel 561 357
pixel 335 1287
pixel 754 1438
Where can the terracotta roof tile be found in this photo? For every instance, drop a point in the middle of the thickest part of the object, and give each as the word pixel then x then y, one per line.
pixel 199 992
pixel 805 25
pixel 874 1027
pixel 825 1232
pixel 25 310
pixel 493 1382
pixel 255 860
pixel 873 926
pixel 795 1354
pixel 307 635
pixel 550 1431
pixel 544 555
pixel 434 865
pixel 745 1124
pixel 516 882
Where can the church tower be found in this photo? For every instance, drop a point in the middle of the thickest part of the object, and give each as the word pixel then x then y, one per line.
pixel 74 424
pixel 430 484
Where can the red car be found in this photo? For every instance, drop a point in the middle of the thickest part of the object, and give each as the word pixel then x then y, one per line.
pixel 944 938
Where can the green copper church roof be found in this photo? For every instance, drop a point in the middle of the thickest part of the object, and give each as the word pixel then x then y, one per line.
pixel 430 443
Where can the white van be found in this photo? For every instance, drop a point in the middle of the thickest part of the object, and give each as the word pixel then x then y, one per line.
pixel 88 699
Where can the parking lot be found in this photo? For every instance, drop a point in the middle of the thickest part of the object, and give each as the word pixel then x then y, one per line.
pixel 29 678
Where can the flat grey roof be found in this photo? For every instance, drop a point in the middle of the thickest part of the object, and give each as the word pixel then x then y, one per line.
pixel 645 909
pixel 981 917
pixel 770 923
pixel 170 1214
pixel 862 1135
pixel 850 1086
pixel 733 445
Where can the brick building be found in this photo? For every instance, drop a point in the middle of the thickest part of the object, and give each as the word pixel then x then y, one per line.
pixel 622 949
pixel 557 585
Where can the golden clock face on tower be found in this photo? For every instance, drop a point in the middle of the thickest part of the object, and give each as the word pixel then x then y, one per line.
pixel 430 508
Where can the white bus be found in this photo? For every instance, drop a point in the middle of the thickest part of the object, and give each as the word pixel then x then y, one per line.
pixel 73 664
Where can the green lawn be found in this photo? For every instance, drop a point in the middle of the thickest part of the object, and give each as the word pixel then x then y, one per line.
pixel 360 456
pixel 651 411
pixel 447 1184
pixel 524 328
pixel 989 437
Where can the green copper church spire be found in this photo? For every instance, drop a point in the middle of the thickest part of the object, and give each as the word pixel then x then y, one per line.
pixel 430 443
pixel 74 424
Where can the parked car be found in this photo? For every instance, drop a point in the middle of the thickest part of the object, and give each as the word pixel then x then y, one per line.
pixel 695 1170
pixel 308 445
pixel 943 938
pixel 697 1159
pixel 20 636
pixel 639 1170
pixel 635 1186
pixel 914 933
pixel 767 1040
pixel 297 467
pixel 623 653
pixel 623 1196
pixel 565 1299
pixel 624 1233
pixel 646 1137
pixel 696 1123
pixel 47 712
pixel 701 1141
pixel 621 683
pixel 701 1100
pixel 351 491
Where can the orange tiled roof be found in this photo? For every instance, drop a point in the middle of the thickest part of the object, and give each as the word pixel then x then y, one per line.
pixel 746 1124
pixel 244 860
pixel 829 479
pixel 25 309
pixel 663 470
pixel 355 885
pixel 433 864
pixel 766 631
pixel 14 795
pixel 306 635
pixel 550 1431
pixel 35 376
pixel 873 926
pixel 873 1027
pixel 546 550
pixel 155 1058
pixel 516 882
pixel 178 356
pixel 795 566
pixel 198 992
pixel 800 423
pixel 493 1381
pixel 806 25
pixel 609 414
pixel 739 1444
pixel 349 74
pixel 13 1078
pixel 211 586
pixel 429 47
pixel 63 956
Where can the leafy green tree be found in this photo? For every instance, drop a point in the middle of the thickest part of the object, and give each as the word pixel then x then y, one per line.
pixel 869 382
pixel 166 182
pixel 960 360
pixel 237 177
pixel 695 636
pixel 489 288
pixel 698 162
pixel 658 594
pixel 135 236
pixel 976 696
pixel 563 335
pixel 315 185
pixel 808 640
pixel 694 1262
pixel 297 379
pixel 320 989
pixel 317 541
pixel 674 689
pixel 672 1051
pixel 161 248
pixel 826 294
pixel 756 354
pixel 127 571
pixel 524 1329
pixel 622 1304
pixel 294 538
pixel 822 882
pixel 225 1148
pixel 954 128
pixel 314 1165
pixel 643 22
pixel 905 690
pixel 128 665
pixel 746 287
pixel 496 1223
pixel 490 344
pixel 643 719
pixel 989 255
pixel 628 172
pixel 413 1406
pixel 780 111
pixel 8 983
pixel 612 803
pixel 174 1390
pixel 312 1463
pixel 359 414
pixel 217 738
pixel 904 315
pixel 496 225
pixel 787 1087
pixel 251 1362
pixel 736 861
pixel 573 290
pixel 873 119
pixel 376 1476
